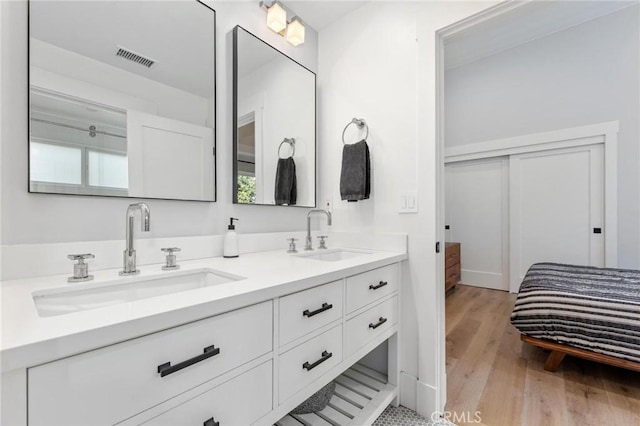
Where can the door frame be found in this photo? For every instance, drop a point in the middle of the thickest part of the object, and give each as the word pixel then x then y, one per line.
pixel 601 133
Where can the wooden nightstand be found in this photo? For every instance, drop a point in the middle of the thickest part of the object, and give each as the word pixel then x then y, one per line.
pixel 451 265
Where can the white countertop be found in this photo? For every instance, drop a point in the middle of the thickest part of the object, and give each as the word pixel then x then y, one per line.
pixel 28 339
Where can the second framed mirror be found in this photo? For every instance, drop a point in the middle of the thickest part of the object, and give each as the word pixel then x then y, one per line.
pixel 274 125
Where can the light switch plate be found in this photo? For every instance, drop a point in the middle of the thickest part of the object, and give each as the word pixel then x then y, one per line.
pixel 328 204
pixel 408 202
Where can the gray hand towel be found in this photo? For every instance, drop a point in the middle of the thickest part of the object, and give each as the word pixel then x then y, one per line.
pixel 286 185
pixel 355 178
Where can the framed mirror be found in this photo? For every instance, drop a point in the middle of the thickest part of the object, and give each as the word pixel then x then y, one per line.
pixel 122 99
pixel 274 125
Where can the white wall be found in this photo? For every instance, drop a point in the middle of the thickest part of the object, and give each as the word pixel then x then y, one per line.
pixel 2 84
pixel 583 75
pixel 378 63
pixel 43 218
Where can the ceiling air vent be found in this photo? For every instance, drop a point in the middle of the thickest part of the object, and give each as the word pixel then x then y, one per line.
pixel 135 57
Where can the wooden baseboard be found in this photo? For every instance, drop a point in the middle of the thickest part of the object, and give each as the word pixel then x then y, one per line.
pixel 558 352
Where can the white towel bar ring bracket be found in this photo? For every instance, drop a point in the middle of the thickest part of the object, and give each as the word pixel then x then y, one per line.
pixel 292 144
pixel 360 123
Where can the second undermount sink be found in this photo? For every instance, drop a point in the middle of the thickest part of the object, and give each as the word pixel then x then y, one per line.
pixel 332 255
pixel 61 301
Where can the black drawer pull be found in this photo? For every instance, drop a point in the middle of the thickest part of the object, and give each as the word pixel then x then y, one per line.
pixel 325 307
pixel 375 287
pixel 381 321
pixel 211 422
pixel 325 356
pixel 166 368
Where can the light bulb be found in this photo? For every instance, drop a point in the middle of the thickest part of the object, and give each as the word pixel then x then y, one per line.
pixel 276 18
pixel 295 32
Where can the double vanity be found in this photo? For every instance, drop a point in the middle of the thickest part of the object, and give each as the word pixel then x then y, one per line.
pixel 219 341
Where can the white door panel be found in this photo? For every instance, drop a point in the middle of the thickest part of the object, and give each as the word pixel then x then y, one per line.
pixel 169 158
pixel 556 200
pixel 476 202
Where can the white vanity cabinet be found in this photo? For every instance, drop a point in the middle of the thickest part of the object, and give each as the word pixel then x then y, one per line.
pixel 306 311
pixel 250 365
pixel 240 401
pixel 371 323
pixel 370 286
pixel 309 361
pixel 108 385
pixel 331 345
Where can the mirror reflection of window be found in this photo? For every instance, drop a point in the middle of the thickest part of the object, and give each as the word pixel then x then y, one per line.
pixel 73 145
pixel 108 170
pixel 247 159
pixel 52 163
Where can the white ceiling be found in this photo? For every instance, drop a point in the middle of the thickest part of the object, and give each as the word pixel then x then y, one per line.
pixel 178 35
pixel 319 14
pixel 523 24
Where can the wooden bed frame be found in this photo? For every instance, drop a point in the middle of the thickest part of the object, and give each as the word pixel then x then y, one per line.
pixel 558 352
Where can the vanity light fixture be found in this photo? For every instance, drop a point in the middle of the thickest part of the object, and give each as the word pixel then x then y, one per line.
pixel 293 30
pixel 276 17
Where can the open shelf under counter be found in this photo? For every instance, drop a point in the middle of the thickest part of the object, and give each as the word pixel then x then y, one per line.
pixel 361 395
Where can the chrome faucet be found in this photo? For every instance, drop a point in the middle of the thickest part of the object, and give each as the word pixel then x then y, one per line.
pixel 308 245
pixel 129 259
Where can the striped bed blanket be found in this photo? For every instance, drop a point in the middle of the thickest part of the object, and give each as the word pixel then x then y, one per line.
pixel 597 309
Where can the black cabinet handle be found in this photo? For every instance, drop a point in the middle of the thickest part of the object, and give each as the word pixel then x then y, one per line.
pixel 381 321
pixel 325 356
pixel 375 287
pixel 166 368
pixel 211 422
pixel 325 307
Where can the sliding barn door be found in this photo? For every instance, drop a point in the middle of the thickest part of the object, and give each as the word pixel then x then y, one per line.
pixel 556 209
pixel 476 212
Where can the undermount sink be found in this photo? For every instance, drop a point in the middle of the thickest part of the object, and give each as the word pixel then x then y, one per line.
pixel 81 297
pixel 332 255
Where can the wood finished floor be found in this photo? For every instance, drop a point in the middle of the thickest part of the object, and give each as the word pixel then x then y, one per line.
pixel 489 370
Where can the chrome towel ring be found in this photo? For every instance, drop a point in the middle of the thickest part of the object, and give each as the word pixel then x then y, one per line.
pixel 292 144
pixel 360 123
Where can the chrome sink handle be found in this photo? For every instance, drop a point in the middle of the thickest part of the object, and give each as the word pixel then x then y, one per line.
pixel 292 245
pixel 171 258
pixel 323 243
pixel 80 269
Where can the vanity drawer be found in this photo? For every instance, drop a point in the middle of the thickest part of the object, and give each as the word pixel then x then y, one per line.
pixel 240 401
pixel 110 384
pixel 370 286
pixel 305 363
pixel 365 327
pixel 308 310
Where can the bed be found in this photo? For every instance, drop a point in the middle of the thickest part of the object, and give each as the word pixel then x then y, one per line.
pixel 583 311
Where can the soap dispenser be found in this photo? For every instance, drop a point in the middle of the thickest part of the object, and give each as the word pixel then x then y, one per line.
pixel 231 240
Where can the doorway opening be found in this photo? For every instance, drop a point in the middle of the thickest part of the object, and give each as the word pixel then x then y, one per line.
pixel 519 183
